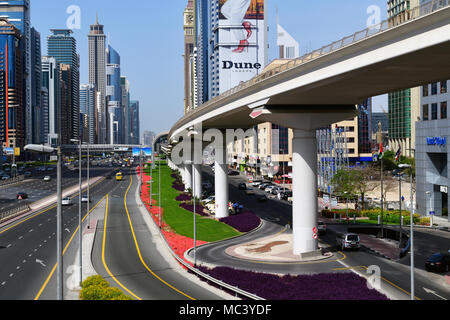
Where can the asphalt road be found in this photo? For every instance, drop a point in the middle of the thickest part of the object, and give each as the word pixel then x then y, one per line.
pixel 37 188
pixel 28 249
pixel 131 261
pixel 276 214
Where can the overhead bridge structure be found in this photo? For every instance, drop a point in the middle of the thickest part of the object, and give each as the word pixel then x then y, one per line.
pixel 319 89
pixel 100 148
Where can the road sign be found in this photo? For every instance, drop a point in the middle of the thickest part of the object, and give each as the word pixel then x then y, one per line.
pixel 315 235
pixel 432 213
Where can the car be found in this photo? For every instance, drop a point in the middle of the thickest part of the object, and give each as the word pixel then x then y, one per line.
pixel 6 177
pixel 66 202
pixel 438 262
pixel 209 199
pixel 85 199
pixel 256 183
pixel 269 188
pixel 233 173
pixel 322 227
pixel 348 241
pixel 27 173
pixel 262 198
pixel 250 191
pixel 242 186
pixel 47 178
pixel 263 186
pixel 21 196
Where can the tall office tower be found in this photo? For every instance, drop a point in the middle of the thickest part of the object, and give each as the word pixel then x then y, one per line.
pixel 125 88
pixel 365 130
pixel 97 74
pixel 87 106
pixel 67 117
pixel 238 46
pixel 63 47
pixel 114 97
pixel 44 116
pixel 202 36
pixel 189 21
pixel 17 12
pixel 289 48
pixel 52 84
pixel 135 122
pixel 12 106
pixel 36 87
pixel 404 106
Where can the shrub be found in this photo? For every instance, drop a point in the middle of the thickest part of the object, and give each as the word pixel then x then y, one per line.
pixel 424 221
pixel 244 222
pixel 97 288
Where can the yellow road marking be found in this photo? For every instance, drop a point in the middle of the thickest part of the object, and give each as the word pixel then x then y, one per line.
pixel 64 251
pixel 103 255
pixel 139 251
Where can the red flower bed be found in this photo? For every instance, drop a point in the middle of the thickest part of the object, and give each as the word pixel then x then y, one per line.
pixel 178 243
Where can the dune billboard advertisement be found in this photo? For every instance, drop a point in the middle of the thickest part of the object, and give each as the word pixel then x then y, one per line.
pixel 242 41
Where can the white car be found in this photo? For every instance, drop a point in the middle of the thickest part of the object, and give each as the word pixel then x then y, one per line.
pixel 66 202
pixel 269 189
pixel 209 200
pixel 85 198
pixel 47 178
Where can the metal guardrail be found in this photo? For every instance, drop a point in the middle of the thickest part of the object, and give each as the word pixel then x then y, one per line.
pixel 221 284
pixel 12 213
pixel 12 181
pixel 409 15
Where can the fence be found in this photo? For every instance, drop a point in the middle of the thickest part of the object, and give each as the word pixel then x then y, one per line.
pixel 13 213
pixel 12 181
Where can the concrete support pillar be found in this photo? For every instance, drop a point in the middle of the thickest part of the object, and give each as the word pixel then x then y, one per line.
pixel 188 175
pixel 221 183
pixel 305 205
pixel 198 173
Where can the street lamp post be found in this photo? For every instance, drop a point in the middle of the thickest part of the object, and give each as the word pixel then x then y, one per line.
pixel 411 236
pixel 193 132
pixel 80 235
pixel 59 223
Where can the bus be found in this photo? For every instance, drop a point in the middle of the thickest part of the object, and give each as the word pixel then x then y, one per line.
pixel 119 176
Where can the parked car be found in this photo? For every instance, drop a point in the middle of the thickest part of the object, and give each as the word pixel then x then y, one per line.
pixel 47 178
pixel 27 173
pixel 322 227
pixel 438 262
pixel 250 191
pixel 66 202
pixel 263 186
pixel 256 183
pixel 21 196
pixel 286 195
pixel 209 200
pixel 262 198
pixel 242 186
pixel 348 241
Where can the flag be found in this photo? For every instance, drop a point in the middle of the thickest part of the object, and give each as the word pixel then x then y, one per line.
pixel 398 154
pixel 380 154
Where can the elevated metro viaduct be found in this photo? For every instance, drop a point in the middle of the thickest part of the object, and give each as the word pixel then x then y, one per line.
pixel 316 91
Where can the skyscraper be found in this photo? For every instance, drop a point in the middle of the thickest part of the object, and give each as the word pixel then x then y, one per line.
pixel 404 106
pixel 17 12
pixel 135 122
pixel 52 86
pixel 97 74
pixel 36 87
pixel 12 115
pixel 114 96
pixel 188 16
pixel 63 47
pixel 87 106
pixel 125 89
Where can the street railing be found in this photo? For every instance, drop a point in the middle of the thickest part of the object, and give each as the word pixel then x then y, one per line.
pixel 205 276
pixel 407 16
pixel 12 213
pixel 12 181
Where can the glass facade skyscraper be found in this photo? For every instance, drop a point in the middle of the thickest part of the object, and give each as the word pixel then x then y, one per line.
pixel 63 47
pixel 114 96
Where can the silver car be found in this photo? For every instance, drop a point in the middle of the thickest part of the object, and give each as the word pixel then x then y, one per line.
pixel 348 241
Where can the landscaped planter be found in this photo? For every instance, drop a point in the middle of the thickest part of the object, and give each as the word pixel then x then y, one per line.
pixel 244 222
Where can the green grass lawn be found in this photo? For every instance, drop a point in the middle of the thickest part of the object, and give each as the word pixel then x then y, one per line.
pixel 181 220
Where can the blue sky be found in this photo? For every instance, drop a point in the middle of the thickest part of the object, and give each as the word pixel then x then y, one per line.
pixel 148 34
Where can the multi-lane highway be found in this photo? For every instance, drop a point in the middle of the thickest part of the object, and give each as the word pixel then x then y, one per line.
pixel 125 253
pixel 28 247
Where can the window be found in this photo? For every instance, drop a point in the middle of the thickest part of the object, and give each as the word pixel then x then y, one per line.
pixel 434 111
pixel 444 110
pixel 434 88
pixel 443 87
pixel 425 91
pixel 425 112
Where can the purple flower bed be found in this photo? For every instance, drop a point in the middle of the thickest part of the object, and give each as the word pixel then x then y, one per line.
pixel 336 286
pixel 244 222
pixel 178 186
pixel 190 207
pixel 183 197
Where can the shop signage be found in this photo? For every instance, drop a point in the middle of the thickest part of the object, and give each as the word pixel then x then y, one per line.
pixel 437 141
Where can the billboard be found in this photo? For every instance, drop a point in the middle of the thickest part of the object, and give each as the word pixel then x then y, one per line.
pixel 242 41
pixel 146 152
